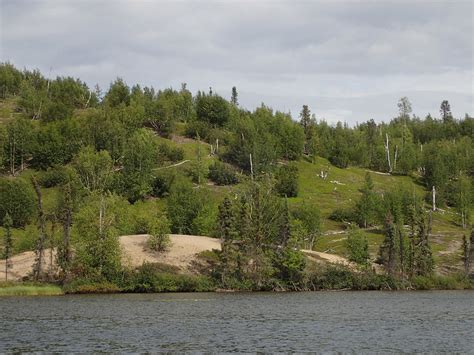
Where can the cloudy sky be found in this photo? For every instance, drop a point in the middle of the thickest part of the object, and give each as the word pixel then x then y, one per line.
pixel 348 60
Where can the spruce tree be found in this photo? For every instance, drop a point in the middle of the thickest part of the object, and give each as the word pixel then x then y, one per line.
pixel 424 263
pixel 305 121
pixel 465 254
pixel 445 111
pixel 8 243
pixel 227 229
pixel 388 247
pixel 367 206
pixel 234 97
pixel 471 251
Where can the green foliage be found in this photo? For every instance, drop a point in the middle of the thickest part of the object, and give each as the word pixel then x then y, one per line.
pixel 311 227
pixel 151 278
pixel 97 246
pixel 158 230
pixel 183 206
pixel 56 143
pixel 54 176
pixel 10 80
pixel 357 247
pixel 18 143
pixel 162 183
pixel 368 207
pixel 170 153
pixel 212 109
pixel 140 156
pixel 287 180
pixel 118 94
pixel 17 198
pixel 222 174
pixel 93 168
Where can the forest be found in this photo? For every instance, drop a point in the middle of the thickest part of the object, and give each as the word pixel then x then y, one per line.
pixel 82 166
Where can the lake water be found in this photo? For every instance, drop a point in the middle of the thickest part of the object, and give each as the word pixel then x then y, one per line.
pixel 197 322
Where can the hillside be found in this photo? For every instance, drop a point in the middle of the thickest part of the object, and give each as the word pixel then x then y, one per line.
pixel 81 168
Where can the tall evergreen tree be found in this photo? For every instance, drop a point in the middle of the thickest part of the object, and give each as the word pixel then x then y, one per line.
pixel 388 252
pixel 7 243
pixel 305 121
pixel 368 205
pixel 40 242
pixel 445 111
pixel 465 254
pixel 424 263
pixel 234 98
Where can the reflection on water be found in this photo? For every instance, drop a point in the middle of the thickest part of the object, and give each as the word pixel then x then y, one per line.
pixel 313 321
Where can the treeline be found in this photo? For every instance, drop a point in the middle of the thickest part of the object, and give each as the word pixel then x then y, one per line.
pixel 100 152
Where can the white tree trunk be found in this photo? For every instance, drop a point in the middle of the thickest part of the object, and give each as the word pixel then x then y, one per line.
pixel 387 150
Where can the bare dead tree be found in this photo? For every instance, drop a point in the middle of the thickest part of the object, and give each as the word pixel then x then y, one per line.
pixel 387 150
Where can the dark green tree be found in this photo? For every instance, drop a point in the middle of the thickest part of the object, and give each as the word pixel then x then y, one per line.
pixel 357 247
pixel 367 208
pixel 17 198
pixel 234 98
pixel 287 180
pixel 212 109
pixel 7 243
pixel 445 111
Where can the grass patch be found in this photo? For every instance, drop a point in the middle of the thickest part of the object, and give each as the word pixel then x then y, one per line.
pixel 20 289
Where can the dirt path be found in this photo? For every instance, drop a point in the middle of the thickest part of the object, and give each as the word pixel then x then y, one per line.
pixel 332 258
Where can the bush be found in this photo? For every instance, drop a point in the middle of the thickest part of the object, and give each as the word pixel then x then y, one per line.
pixel 85 286
pixel 159 239
pixel 173 154
pixel 18 199
pixel 287 181
pixel 150 278
pixel 197 128
pixel 162 182
pixel 53 177
pixel 222 174
pixel 342 215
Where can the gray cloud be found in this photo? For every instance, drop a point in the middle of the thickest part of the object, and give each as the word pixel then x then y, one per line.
pixel 348 60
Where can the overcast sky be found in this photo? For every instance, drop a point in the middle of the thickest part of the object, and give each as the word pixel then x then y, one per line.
pixel 348 60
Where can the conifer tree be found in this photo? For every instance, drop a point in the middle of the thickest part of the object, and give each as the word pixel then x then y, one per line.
pixel 228 233
pixel 445 111
pixel 471 251
pixel 367 206
pixel 305 121
pixel 7 243
pixel 388 247
pixel 40 242
pixel 234 97
pixel 424 263
pixel 465 254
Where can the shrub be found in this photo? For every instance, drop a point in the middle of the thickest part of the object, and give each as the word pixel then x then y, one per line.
pixel 150 278
pixel 85 286
pixel 159 239
pixel 222 174
pixel 198 128
pixel 18 199
pixel 287 181
pixel 162 182
pixel 168 152
pixel 53 177
pixel 342 215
